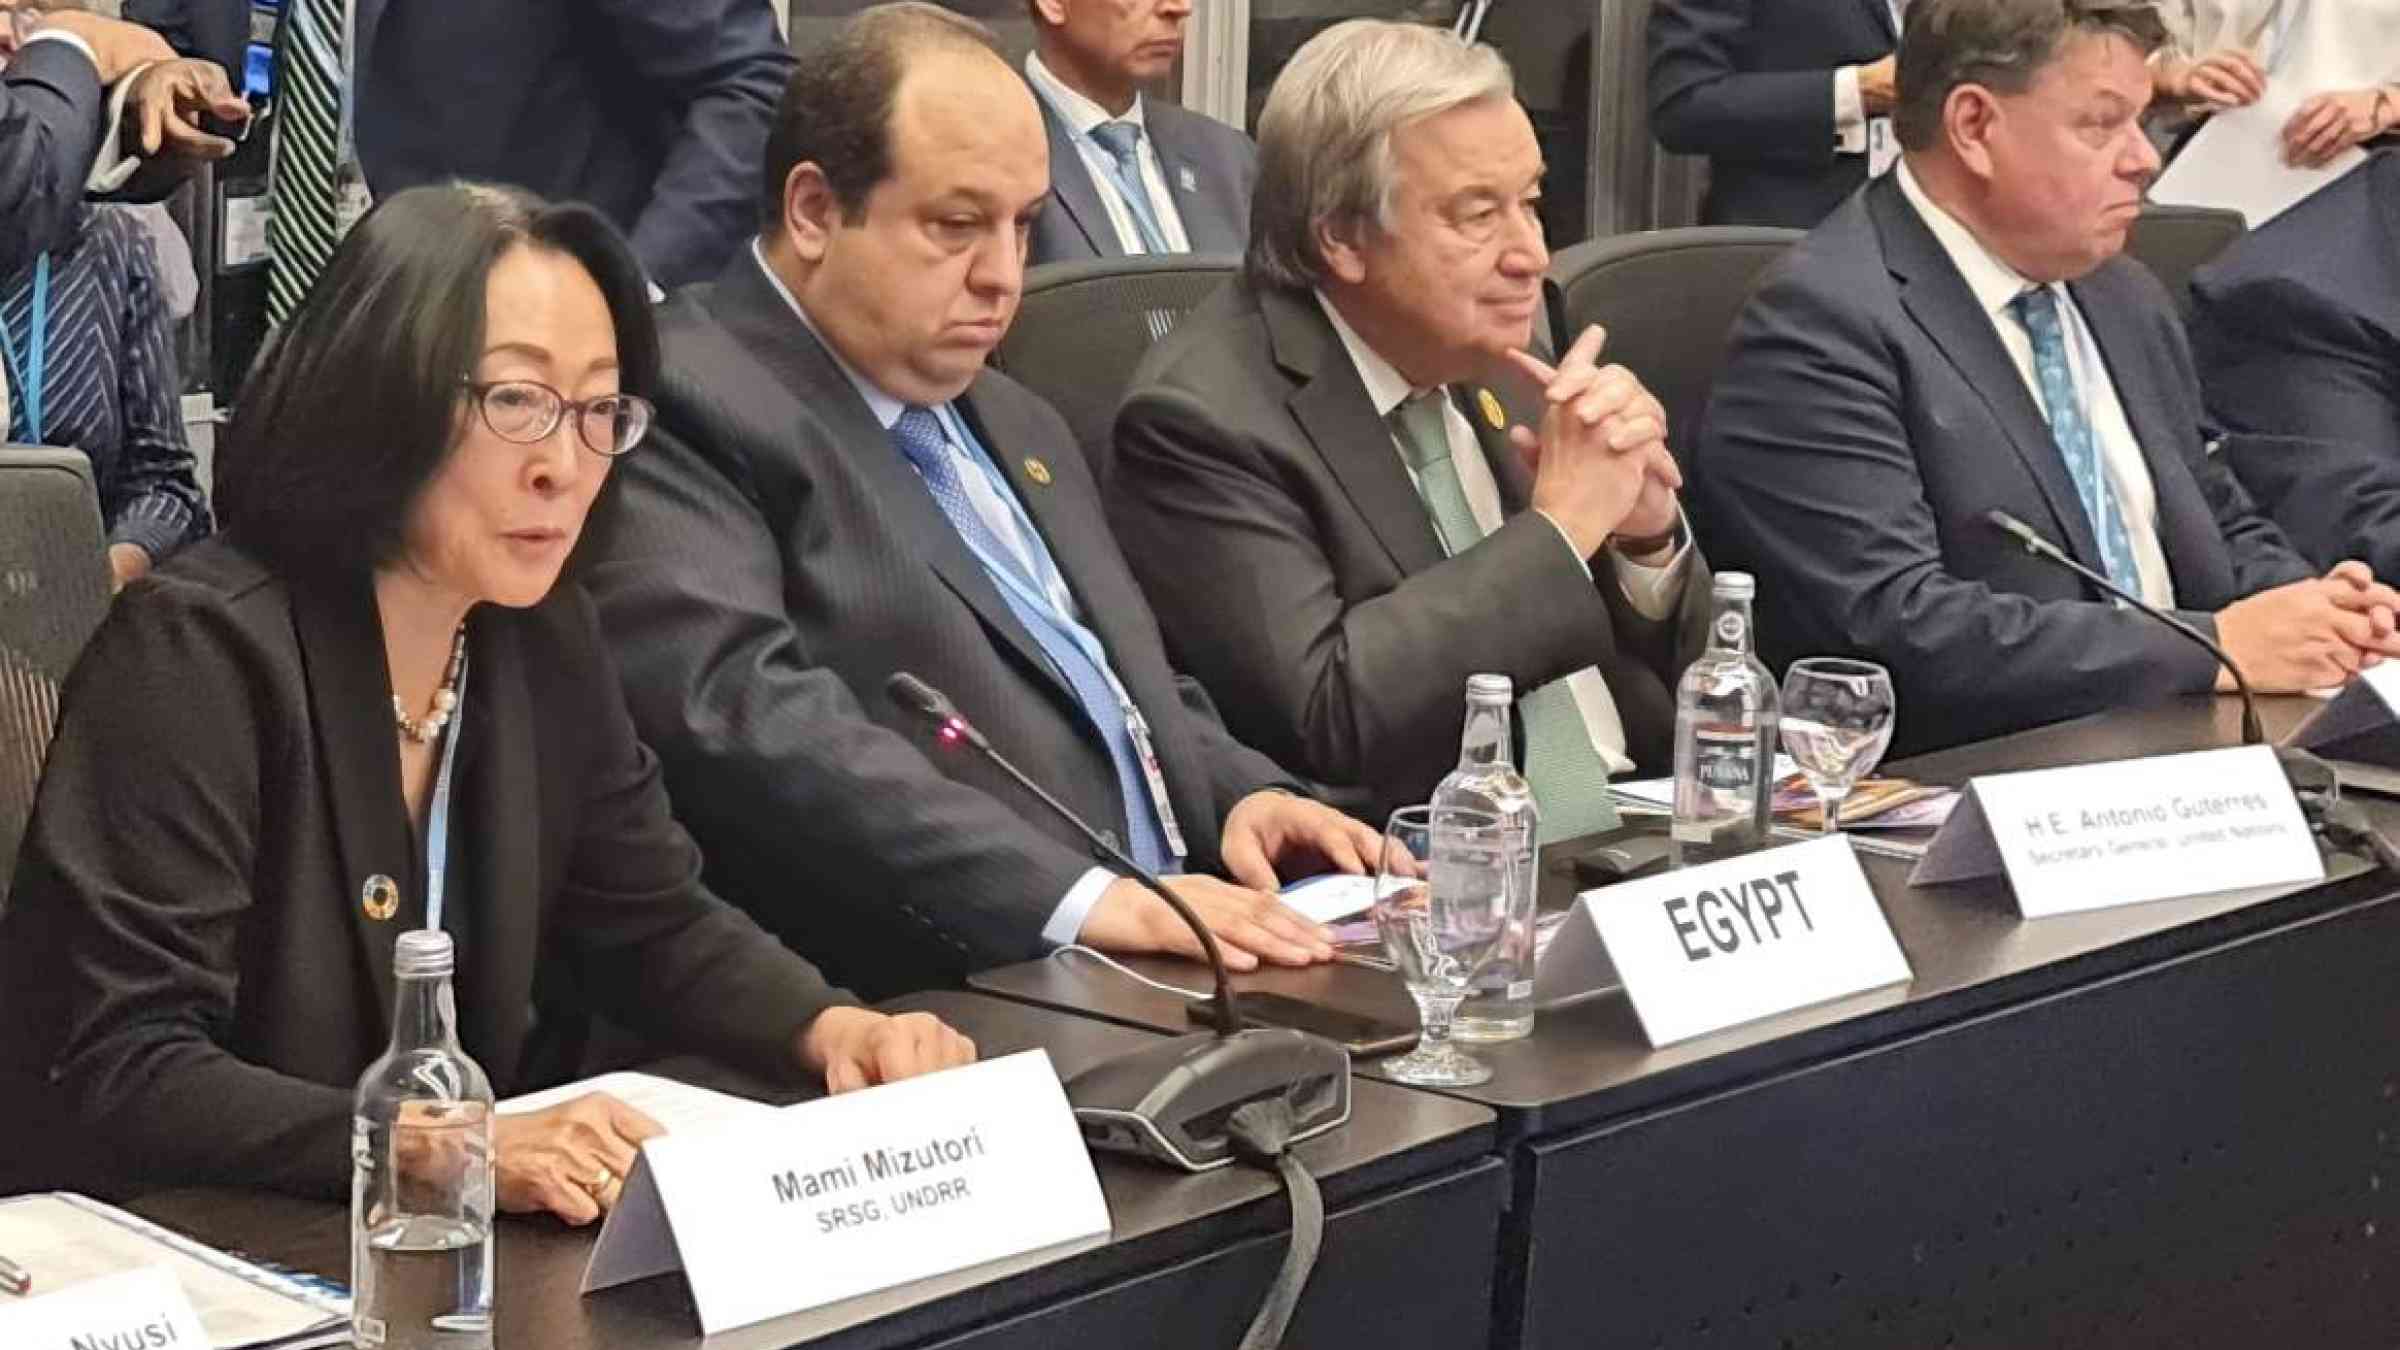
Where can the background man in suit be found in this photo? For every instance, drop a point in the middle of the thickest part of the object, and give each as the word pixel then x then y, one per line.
pixel 655 113
pixel 1962 337
pixel 1317 484
pixel 2297 331
pixel 1129 175
pixel 840 489
pixel 1791 100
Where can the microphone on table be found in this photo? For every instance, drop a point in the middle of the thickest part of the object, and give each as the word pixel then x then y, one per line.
pixel 2314 782
pixel 1175 1102
pixel 2253 731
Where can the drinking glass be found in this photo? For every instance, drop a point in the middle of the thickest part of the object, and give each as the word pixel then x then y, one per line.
pixel 1445 883
pixel 1837 722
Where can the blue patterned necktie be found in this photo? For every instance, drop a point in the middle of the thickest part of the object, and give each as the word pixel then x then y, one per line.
pixel 919 435
pixel 2071 428
pixel 1123 141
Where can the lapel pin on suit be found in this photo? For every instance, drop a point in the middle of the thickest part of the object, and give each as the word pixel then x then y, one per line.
pixel 1036 470
pixel 1493 413
pixel 1186 179
pixel 380 897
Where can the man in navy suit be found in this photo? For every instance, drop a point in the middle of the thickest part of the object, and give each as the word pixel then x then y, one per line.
pixel 2297 330
pixel 1962 337
pixel 654 112
pixel 1129 175
pixel 1791 100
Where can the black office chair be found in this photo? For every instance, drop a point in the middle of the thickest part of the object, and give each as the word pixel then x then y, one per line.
pixel 1668 299
pixel 54 589
pixel 1084 326
pixel 2176 241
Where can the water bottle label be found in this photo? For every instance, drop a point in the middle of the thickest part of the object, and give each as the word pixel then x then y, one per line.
pixel 1725 761
pixel 1520 989
pixel 368 1331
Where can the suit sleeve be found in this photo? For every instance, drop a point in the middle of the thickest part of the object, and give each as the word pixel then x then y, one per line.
pixel 721 65
pixel 657 950
pixel 156 503
pixel 1808 461
pixel 1360 693
pixel 1702 102
pixel 2309 396
pixel 51 110
pixel 124 934
pixel 770 755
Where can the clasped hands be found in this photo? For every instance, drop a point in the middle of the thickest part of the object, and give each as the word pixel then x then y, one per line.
pixel 2311 634
pixel 1600 463
pixel 572 1159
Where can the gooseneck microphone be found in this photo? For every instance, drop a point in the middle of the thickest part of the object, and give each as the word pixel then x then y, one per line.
pixel 2253 731
pixel 1196 1102
pixel 952 726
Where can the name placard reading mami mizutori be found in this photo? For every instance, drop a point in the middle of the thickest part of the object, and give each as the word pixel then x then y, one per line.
pixel 843 1196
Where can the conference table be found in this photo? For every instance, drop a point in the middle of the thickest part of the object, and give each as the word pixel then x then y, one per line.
pixel 2168 1124
pixel 1413 1189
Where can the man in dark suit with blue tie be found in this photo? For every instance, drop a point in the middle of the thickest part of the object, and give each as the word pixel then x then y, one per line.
pixel 1963 337
pixel 2297 329
pixel 1791 100
pixel 654 112
pixel 839 489
pixel 1128 174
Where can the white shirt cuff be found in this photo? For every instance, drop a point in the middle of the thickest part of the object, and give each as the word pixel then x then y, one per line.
pixel 1849 113
pixel 1066 921
pixel 1652 590
pixel 116 163
pixel 71 39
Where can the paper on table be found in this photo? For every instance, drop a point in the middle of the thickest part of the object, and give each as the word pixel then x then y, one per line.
pixel 679 1107
pixel 1331 897
pixel 64 1241
pixel 2236 161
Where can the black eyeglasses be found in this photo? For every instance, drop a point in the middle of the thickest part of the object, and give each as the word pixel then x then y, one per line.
pixel 528 411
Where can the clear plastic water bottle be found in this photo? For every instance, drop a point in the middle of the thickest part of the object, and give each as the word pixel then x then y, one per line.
pixel 422 1188
pixel 1726 710
pixel 1486 779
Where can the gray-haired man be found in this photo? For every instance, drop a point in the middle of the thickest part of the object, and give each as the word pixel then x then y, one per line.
pixel 1324 480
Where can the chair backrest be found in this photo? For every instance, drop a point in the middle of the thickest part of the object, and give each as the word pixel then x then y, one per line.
pixel 2176 241
pixel 53 592
pixel 1084 326
pixel 1668 299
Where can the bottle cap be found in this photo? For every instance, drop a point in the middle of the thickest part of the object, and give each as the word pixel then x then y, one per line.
pixel 424 953
pixel 1491 689
pixel 1736 585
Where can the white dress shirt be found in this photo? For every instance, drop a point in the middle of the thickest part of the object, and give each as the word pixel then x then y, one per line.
pixel 1849 106
pixel 1066 921
pixel 2317 45
pixel 1997 285
pixel 1650 590
pixel 1081 114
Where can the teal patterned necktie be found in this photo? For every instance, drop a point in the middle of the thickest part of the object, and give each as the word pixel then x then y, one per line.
pixel 1570 780
pixel 2071 428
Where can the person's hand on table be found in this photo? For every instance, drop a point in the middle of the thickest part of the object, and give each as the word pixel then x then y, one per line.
pixel 168 101
pixel 569 1160
pixel 1250 925
pixel 2230 78
pixel 853 1048
pixel 2311 634
pixel 2329 123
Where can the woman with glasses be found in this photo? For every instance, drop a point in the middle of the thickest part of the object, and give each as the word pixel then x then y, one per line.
pixel 370 706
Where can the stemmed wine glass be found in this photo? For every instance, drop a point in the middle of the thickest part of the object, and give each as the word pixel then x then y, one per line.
pixel 1837 722
pixel 1444 888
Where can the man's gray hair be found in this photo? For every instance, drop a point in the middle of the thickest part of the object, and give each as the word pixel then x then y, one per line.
pixel 1999 44
pixel 1325 138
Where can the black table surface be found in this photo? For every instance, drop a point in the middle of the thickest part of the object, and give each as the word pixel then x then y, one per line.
pixel 1158 1217
pixel 1965 943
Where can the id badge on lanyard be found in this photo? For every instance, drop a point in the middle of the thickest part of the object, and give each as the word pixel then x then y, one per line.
pixel 1138 727
pixel 26 369
pixel 1883 148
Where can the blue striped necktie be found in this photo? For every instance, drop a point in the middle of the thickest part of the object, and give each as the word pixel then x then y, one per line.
pixel 919 435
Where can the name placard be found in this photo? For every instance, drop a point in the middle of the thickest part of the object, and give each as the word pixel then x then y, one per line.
pixel 1715 946
pixel 2360 726
pixel 138 1310
pixel 834 1198
pixel 2094 836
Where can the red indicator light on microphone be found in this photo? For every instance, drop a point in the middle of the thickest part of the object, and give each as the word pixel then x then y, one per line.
pixel 952 732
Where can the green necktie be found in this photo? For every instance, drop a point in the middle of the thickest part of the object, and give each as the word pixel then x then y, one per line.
pixel 1570 781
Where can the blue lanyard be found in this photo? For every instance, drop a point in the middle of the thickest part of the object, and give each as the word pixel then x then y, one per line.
pixel 437 822
pixel 25 372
